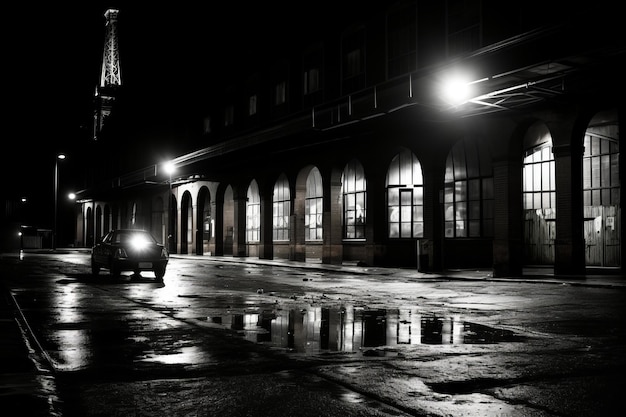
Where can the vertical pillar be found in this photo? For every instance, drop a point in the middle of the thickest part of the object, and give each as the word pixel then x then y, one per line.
pixel 570 243
pixel 218 214
pixel 297 244
pixel 376 221
pixel 507 241
pixel 332 251
pixel 432 243
pixel 266 245
pixel 239 232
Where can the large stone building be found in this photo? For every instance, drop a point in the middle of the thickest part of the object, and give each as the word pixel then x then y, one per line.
pixel 348 146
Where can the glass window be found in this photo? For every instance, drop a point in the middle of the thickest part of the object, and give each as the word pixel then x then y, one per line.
pixel 354 200
pixel 313 206
pixel 280 93
pixel 281 209
pixel 468 191
pixel 401 41
pixel 463 26
pixel 229 115
pixel 353 61
pixel 405 197
pixel 253 213
pixel 311 80
pixel 252 105
pixel 601 185
pixel 539 178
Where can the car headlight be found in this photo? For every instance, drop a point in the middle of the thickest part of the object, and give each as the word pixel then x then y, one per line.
pixel 138 242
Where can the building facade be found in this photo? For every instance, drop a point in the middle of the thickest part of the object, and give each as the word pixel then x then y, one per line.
pixel 348 148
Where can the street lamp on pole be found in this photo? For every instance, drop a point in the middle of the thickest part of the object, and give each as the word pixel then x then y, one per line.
pixel 59 157
pixel 169 169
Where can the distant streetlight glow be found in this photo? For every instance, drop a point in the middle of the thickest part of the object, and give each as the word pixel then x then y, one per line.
pixel 71 196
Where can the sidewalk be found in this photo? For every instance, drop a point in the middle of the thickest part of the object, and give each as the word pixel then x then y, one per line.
pixel 595 277
pixel 26 387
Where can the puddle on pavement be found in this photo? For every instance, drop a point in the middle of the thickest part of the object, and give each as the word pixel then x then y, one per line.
pixel 349 329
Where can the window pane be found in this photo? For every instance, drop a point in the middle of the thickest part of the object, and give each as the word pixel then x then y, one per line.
pixel 405 213
pixel 449 229
pixel 605 171
pixel 449 212
pixel 418 196
pixel 394 214
pixel 537 177
pixel 474 210
pixel 474 189
pixel 460 229
pixel 394 196
pixel 418 229
pixel 418 213
pixel 487 188
pixel 474 228
pixel 460 191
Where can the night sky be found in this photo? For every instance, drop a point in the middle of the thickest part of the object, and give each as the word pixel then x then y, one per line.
pixel 169 56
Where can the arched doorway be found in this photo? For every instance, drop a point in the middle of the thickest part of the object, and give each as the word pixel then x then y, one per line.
pixel 601 191
pixel 186 223
pixel 228 221
pixel 205 233
pixel 539 197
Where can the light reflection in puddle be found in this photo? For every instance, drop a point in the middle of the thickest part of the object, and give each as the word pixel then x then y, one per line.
pixel 350 329
pixel 184 355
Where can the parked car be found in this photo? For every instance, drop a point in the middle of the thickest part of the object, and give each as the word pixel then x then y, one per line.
pixel 129 250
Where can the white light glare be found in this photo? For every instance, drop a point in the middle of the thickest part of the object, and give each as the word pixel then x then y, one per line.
pixel 169 167
pixel 456 91
pixel 139 242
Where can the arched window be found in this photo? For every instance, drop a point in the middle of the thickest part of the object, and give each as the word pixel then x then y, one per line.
pixel 313 207
pixel 405 196
pixel 354 200
pixel 281 209
pixel 253 213
pixel 539 196
pixel 468 191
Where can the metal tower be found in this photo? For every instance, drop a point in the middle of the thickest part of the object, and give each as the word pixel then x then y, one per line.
pixel 110 77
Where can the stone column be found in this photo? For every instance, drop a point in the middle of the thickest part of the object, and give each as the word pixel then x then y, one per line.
pixel 507 240
pixel 266 245
pixel 570 243
pixel 239 232
pixel 332 251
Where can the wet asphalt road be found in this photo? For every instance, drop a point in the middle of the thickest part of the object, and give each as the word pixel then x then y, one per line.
pixel 226 338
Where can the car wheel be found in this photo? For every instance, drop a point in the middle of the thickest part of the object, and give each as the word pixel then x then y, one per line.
pixel 95 269
pixel 159 273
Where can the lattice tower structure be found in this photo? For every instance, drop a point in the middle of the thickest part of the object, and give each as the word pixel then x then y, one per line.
pixel 110 76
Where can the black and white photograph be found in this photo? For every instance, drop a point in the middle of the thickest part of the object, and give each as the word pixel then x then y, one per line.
pixel 313 209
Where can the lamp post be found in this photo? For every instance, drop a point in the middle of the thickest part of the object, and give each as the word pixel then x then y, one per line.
pixel 59 157
pixel 169 169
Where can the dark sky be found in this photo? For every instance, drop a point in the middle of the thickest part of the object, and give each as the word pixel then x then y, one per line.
pixel 53 52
